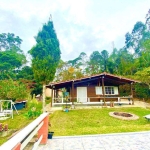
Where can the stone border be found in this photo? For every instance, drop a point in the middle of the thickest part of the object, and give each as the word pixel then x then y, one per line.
pixel 134 117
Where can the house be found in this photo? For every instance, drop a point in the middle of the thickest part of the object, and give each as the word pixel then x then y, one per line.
pixel 103 87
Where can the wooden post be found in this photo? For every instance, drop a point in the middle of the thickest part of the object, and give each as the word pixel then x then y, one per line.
pixel 52 97
pixel 72 97
pixel 44 97
pixel 103 90
pixel 131 86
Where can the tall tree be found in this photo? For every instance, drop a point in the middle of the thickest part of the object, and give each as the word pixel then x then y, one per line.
pixel 46 55
pixel 133 40
pixel 112 65
pixel 9 41
pixel 11 56
pixel 104 55
pixel 94 64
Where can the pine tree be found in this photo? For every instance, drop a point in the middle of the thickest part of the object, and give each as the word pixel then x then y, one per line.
pixel 46 55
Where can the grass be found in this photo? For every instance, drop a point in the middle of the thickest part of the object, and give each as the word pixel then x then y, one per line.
pixel 96 121
pixel 18 121
pixel 15 124
pixel 84 121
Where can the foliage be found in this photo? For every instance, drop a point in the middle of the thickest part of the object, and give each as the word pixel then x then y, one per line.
pixel 11 56
pixel 142 91
pixel 3 127
pixel 34 108
pixel 25 73
pixel 9 41
pixel 72 69
pixel 37 89
pixel 144 76
pixel 125 90
pixel 46 54
pixel 13 90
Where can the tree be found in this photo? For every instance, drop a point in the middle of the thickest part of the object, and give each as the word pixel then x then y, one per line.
pixel 11 56
pixel 104 55
pixel 133 40
pixel 9 41
pixel 46 55
pixel 14 90
pixel 94 64
pixel 25 73
pixel 112 65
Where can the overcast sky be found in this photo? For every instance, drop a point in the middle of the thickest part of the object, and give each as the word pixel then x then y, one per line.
pixel 81 25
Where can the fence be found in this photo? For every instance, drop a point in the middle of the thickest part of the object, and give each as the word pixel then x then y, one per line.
pixel 39 126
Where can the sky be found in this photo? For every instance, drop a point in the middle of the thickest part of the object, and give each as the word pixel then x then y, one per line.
pixel 80 25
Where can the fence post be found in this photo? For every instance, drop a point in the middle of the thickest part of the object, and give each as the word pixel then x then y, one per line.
pixel 44 130
pixel 17 147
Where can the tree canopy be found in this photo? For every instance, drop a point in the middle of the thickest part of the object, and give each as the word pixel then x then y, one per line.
pixel 45 54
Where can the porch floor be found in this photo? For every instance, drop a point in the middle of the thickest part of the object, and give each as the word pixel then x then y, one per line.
pixel 120 141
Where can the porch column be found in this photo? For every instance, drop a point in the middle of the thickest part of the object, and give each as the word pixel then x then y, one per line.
pixel 72 93
pixel 52 97
pixel 103 90
pixel 131 86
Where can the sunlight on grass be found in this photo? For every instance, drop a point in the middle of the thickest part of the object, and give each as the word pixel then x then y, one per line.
pixel 97 121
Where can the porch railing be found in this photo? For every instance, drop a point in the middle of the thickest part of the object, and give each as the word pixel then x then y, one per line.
pixel 88 99
pixel 21 139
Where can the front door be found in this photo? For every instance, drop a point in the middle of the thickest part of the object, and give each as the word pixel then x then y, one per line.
pixel 82 94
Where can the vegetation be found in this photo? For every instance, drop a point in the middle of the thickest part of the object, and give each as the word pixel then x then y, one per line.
pixel 11 56
pixel 97 121
pixel 13 90
pixel 23 118
pixel 34 109
pixel 46 55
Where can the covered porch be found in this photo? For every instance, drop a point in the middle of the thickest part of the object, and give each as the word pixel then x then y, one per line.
pixel 98 89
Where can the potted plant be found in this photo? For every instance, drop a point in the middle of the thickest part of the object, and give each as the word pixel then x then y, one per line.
pixel 50 133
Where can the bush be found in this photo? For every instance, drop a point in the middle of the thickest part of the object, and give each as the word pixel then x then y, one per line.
pixel 34 108
pixel 142 91
pixel 13 90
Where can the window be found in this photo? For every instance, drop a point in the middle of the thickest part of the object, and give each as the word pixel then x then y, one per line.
pixel 109 90
pixel 98 90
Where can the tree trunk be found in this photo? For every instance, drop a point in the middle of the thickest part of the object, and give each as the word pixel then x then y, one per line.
pixel 43 97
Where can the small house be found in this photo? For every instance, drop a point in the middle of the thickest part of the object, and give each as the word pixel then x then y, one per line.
pixel 102 87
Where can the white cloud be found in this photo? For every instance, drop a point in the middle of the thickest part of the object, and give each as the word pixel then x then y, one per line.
pixel 81 25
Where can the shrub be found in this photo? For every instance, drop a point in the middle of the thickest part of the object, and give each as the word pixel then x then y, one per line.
pixel 13 90
pixel 34 108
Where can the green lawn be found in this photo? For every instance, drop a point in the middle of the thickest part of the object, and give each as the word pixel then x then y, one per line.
pixel 19 121
pixel 85 121
pixel 15 124
pixel 96 121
